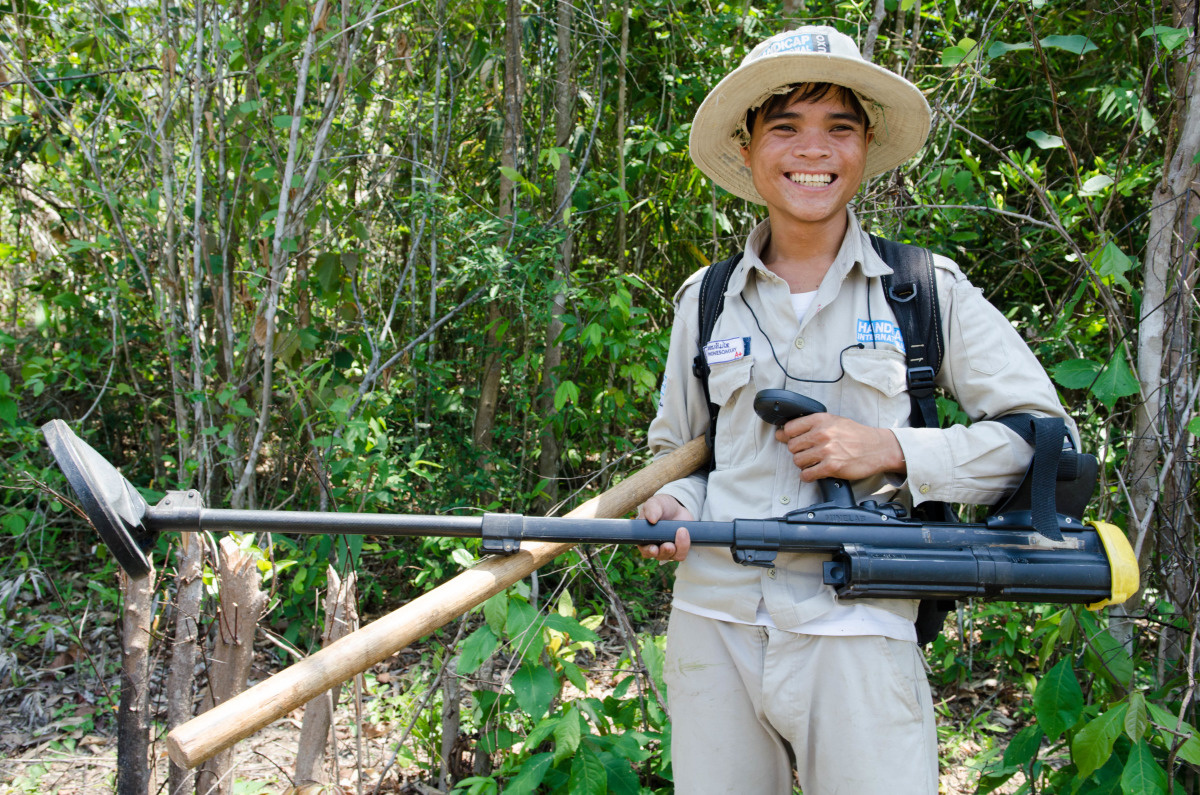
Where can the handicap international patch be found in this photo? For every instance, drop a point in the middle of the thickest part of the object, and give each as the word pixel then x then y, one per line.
pixel 871 332
pixel 721 351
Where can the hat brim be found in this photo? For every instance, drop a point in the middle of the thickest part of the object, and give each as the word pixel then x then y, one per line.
pixel 899 113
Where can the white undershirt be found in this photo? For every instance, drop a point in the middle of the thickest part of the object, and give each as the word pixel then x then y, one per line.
pixel 801 302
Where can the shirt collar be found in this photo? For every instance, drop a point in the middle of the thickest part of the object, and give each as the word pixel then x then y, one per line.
pixel 856 250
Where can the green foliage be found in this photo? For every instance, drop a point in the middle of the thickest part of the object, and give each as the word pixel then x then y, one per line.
pixel 554 743
pixel 144 167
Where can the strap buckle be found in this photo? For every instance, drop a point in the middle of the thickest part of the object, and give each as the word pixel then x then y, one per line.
pixel 921 381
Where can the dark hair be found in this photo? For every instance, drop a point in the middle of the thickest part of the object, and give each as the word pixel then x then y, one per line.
pixel 807 92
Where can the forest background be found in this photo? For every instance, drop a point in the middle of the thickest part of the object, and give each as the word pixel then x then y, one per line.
pixel 419 256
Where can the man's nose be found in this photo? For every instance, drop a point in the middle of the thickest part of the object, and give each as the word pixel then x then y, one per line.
pixel 810 143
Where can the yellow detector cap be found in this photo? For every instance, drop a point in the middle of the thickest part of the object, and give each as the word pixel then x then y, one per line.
pixel 1122 564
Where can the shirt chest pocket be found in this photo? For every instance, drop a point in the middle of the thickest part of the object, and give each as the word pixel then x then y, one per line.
pixel 875 390
pixel 731 387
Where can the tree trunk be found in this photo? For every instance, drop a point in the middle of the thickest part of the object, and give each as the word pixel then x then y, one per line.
pixel 622 208
pixel 133 719
pixel 1169 258
pixel 182 674
pixel 451 721
pixel 341 618
pixel 489 390
pixel 564 126
pixel 1163 327
pixel 242 604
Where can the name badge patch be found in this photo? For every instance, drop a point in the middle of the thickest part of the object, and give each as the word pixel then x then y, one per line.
pixel 721 351
pixel 880 331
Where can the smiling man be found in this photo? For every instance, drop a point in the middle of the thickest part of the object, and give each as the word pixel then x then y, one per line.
pixel 766 670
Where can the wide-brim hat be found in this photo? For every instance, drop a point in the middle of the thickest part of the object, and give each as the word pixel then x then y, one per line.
pixel 897 111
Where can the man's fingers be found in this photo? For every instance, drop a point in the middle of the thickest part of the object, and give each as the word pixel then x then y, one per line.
pixel 683 543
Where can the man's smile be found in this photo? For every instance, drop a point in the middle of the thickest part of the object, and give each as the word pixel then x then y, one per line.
pixel 801 178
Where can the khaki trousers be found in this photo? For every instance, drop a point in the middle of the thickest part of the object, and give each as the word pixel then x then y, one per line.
pixel 854 713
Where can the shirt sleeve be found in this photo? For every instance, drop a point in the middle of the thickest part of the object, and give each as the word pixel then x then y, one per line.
pixel 991 372
pixel 682 409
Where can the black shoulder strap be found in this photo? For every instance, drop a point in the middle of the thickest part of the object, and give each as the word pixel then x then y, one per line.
pixel 712 301
pixel 911 291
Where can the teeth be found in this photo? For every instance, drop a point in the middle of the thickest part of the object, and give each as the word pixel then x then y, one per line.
pixel 811 179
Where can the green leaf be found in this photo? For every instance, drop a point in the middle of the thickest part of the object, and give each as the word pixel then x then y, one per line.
pixel 1168 37
pixel 999 48
pixel 622 780
pixel 1079 45
pixel 1193 426
pixel 524 627
pixel 530 775
pixel 67 301
pixel 571 627
pixel 1023 748
pixel 495 739
pixel 574 675
pixel 282 122
pixel 588 776
pixel 535 687
pixel 567 735
pixel 1107 657
pixel 1142 775
pixel 478 646
pixel 1076 373
pixel 1096 184
pixel 653 656
pixel 329 272
pixel 512 174
pixel 495 610
pixel 1058 700
pixel 1190 750
pixel 540 732
pixel 1136 718
pixel 567 392
pixel 8 411
pixel 1112 264
pixel 953 56
pixel 1092 745
pixel 1115 381
pixel 1044 140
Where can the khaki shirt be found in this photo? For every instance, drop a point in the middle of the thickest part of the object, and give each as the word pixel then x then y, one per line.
pixel 986 366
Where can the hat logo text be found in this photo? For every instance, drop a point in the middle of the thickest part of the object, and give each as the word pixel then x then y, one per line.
pixel 801 42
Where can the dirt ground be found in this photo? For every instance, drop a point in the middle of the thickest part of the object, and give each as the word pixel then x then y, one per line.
pixel 57 737
pixel 263 764
pixel 66 762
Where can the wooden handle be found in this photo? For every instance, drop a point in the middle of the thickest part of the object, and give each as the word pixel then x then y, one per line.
pixel 210 733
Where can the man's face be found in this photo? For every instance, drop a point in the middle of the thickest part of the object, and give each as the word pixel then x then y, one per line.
pixel 807 159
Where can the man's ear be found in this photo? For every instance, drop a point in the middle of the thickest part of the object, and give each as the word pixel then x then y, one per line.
pixel 746 155
pixel 870 135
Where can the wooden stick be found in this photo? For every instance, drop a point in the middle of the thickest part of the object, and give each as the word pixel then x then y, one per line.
pixel 220 727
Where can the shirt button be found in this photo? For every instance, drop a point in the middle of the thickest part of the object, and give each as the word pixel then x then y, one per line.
pixel 924 488
pixel 785 499
pixel 799 342
pixel 771 573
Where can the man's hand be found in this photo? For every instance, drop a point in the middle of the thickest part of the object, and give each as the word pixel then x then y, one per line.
pixel 829 446
pixel 660 506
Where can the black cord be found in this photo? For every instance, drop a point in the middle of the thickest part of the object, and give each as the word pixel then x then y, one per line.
pixel 786 374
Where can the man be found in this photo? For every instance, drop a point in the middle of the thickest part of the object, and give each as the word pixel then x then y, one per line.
pixel 765 669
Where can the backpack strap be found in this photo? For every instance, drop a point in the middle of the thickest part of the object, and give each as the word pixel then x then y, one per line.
pixel 712 301
pixel 911 291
